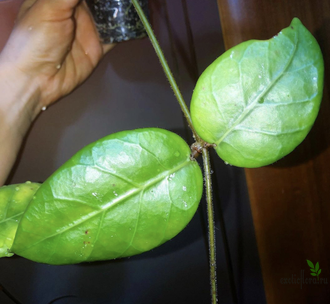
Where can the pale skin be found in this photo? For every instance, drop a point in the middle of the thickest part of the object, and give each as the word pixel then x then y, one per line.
pixel 53 48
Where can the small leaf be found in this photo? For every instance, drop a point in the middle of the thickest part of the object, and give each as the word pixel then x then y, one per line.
pixel 310 264
pixel 313 274
pixel 259 100
pixel 120 196
pixel 318 273
pixel 313 270
pixel 317 266
pixel 13 202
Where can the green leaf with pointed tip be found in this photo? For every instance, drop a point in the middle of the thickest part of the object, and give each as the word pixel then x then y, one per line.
pixel 313 274
pixel 317 267
pixel 13 201
pixel 318 273
pixel 120 196
pixel 310 264
pixel 259 100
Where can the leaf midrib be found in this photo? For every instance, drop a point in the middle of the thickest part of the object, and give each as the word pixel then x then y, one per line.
pixel 111 204
pixel 251 106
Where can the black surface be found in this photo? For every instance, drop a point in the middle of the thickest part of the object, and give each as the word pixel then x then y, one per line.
pixel 129 91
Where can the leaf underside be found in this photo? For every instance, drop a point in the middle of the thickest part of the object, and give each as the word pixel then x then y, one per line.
pixel 13 202
pixel 258 100
pixel 122 195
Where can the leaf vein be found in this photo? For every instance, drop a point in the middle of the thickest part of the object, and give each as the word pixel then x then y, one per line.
pixel 125 179
pixel 252 105
pixel 7 205
pixel 113 202
pixel 76 201
pixel 97 235
pixel 169 212
pixel 11 218
pixel 270 133
pixel 299 69
pixel 241 83
pixel 290 103
pixel 136 225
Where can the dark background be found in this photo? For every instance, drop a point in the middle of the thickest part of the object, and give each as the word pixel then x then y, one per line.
pixel 128 90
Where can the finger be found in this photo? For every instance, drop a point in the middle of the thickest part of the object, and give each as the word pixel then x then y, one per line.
pixel 108 47
pixel 60 4
pixel 26 5
pixel 49 5
pixel 105 47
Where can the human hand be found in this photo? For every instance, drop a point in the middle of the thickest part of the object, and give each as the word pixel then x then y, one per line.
pixel 55 44
pixel 53 48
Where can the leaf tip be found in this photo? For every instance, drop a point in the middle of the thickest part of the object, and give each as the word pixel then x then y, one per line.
pixel 295 22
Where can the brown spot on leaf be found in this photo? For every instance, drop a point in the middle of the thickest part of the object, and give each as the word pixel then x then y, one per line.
pixel 86 232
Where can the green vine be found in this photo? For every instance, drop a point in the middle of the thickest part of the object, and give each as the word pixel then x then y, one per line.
pixel 203 148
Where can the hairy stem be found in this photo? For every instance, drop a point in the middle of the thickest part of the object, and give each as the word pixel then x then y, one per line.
pixel 166 68
pixel 210 219
pixel 200 142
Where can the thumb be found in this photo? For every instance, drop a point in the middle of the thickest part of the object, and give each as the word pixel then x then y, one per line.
pixel 60 4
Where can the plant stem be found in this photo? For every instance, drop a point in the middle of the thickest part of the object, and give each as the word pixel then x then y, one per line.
pixel 210 219
pixel 206 156
pixel 9 295
pixel 166 68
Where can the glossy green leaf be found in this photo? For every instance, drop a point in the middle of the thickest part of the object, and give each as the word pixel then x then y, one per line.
pixel 13 202
pixel 122 195
pixel 258 100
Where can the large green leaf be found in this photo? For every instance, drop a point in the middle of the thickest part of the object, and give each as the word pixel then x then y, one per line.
pixel 13 202
pixel 258 100
pixel 122 195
